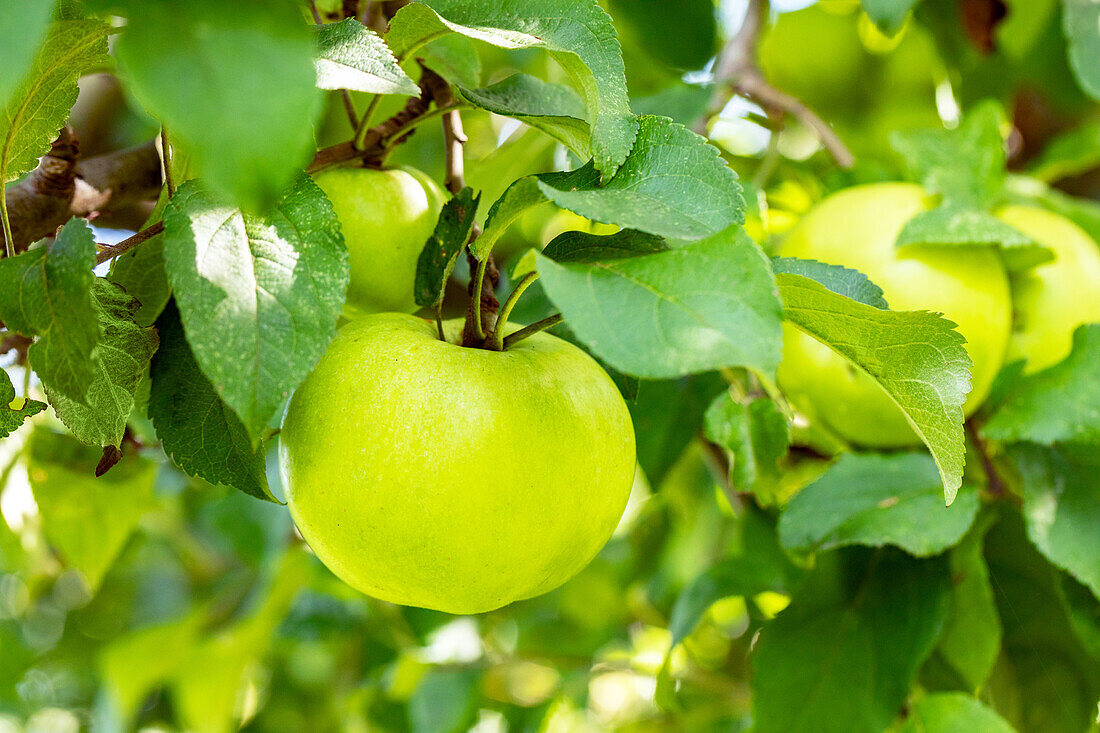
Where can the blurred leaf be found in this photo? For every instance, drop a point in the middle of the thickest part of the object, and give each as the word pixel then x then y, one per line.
pixel 674 184
pixel 972 639
pixel 47 292
pixel 439 255
pixel 683 103
pixel 579 35
pixel 916 356
pixel 350 56
pixel 267 291
pixel 198 431
pixel 454 58
pixel 756 435
pixel 842 655
pixel 888 15
pixel 591 248
pixel 134 664
pixel 1081 22
pixel 1062 508
pixel 444 702
pixel 22 27
pixel 952 712
pixel 966 166
pixel 121 361
pixel 877 500
pixel 680 33
pixel 1069 153
pixel 87 519
pixel 235 85
pixel 667 416
pixel 553 108
pixel 841 280
pixel 707 305
pixel 962 226
pixel 207 683
pixel 12 417
pixel 40 105
pixel 1060 404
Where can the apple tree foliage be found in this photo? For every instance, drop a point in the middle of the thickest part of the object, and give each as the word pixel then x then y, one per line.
pixel 767 575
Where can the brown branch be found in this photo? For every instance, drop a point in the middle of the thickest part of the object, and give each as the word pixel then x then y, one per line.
pixel 62 187
pixel 736 72
pixel 109 251
pixel 996 485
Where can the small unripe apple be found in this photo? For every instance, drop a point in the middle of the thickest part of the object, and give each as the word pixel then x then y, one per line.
pixel 857 228
pixel 460 479
pixel 565 220
pixel 387 217
pixel 1056 297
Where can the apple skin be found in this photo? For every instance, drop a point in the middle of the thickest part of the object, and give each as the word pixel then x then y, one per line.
pixel 857 228
pixel 565 220
pixel 387 216
pixel 1056 297
pixel 458 479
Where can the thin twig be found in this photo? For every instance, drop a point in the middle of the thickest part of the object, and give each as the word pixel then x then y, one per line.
pixel 114 250
pixel 996 484
pixel 496 343
pixel 736 72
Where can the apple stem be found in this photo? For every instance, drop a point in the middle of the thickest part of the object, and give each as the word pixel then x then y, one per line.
pixel 496 343
pixel 549 322
pixel 475 295
pixel 439 324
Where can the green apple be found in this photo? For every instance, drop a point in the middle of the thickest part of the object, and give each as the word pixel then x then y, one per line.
pixel 857 228
pixel 460 479
pixel 387 216
pixel 565 220
pixel 1053 299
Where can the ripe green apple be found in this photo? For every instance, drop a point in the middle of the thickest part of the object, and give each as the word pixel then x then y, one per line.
pixel 1053 299
pixel 387 216
pixel 857 228
pixel 460 479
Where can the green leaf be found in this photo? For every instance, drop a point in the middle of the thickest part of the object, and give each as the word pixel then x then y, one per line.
pixel 12 417
pixel 454 58
pixel 592 248
pixel 235 85
pixel 877 500
pixel 87 519
pixel 755 433
pixel 708 305
pixel 522 195
pixel 1060 404
pixel 579 35
pixel 259 298
pixel 888 15
pixel 198 431
pixel 966 166
pixel 445 701
pixel 47 292
pixel 351 56
pixel 1062 509
pixel 41 103
pixel 673 184
pixel 917 357
pixel 553 108
pixel 1081 23
pixel 962 226
pixel 953 712
pixel 972 640
pixel 121 360
pixel 22 27
pixel 842 655
pixel 667 416
pixel 140 272
pixel 437 259
pixel 1069 153
pixel 841 280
